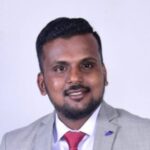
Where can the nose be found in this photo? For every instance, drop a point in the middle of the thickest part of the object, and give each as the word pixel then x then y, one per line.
pixel 75 76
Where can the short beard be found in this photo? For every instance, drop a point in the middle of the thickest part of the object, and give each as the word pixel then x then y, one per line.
pixel 75 114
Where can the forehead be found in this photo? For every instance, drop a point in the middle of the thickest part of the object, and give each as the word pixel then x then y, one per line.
pixel 71 49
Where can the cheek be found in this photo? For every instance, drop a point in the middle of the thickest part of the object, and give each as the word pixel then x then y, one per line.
pixel 96 83
pixel 96 80
pixel 55 85
pixel 55 90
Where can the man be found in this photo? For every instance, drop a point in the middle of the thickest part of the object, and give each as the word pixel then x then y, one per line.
pixel 73 75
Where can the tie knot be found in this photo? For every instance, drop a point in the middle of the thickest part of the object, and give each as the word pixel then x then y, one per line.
pixel 73 139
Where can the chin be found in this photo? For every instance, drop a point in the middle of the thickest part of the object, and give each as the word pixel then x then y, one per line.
pixel 77 113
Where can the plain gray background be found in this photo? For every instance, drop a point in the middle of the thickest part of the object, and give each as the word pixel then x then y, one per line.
pixel 124 27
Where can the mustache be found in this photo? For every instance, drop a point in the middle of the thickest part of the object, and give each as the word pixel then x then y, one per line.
pixel 76 87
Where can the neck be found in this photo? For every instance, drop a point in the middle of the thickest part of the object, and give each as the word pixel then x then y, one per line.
pixel 72 123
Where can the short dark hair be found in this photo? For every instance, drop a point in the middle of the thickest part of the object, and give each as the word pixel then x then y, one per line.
pixel 64 27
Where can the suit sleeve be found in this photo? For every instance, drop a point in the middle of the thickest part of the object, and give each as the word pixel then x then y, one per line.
pixel 3 143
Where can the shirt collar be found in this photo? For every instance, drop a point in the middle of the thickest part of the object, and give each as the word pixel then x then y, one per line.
pixel 88 127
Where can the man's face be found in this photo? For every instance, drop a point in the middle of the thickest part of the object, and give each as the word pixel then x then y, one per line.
pixel 73 76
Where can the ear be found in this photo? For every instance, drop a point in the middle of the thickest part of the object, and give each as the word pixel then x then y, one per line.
pixel 41 84
pixel 105 75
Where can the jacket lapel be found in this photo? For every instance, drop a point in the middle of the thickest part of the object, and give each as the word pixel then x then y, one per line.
pixel 106 129
pixel 44 137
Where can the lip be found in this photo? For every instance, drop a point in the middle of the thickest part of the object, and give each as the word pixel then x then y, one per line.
pixel 76 95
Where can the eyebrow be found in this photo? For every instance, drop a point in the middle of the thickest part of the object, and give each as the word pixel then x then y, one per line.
pixel 63 62
pixel 89 59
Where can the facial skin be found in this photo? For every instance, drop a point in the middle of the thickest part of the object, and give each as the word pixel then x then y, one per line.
pixel 73 76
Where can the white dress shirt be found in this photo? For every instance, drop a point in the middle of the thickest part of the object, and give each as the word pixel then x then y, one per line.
pixel 88 128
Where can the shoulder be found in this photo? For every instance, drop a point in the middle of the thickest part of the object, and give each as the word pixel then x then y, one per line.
pixel 124 118
pixel 133 129
pixel 134 126
pixel 33 126
pixel 130 131
pixel 26 134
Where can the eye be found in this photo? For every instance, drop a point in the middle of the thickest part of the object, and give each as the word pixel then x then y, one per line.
pixel 87 65
pixel 59 68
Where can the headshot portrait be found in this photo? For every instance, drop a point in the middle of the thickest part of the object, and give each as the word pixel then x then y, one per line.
pixel 72 80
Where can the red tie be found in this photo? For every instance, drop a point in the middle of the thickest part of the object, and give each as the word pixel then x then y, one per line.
pixel 73 139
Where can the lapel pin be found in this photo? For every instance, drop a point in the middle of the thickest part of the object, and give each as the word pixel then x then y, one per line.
pixel 108 133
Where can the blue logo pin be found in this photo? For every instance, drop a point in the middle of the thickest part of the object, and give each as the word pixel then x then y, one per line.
pixel 108 133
